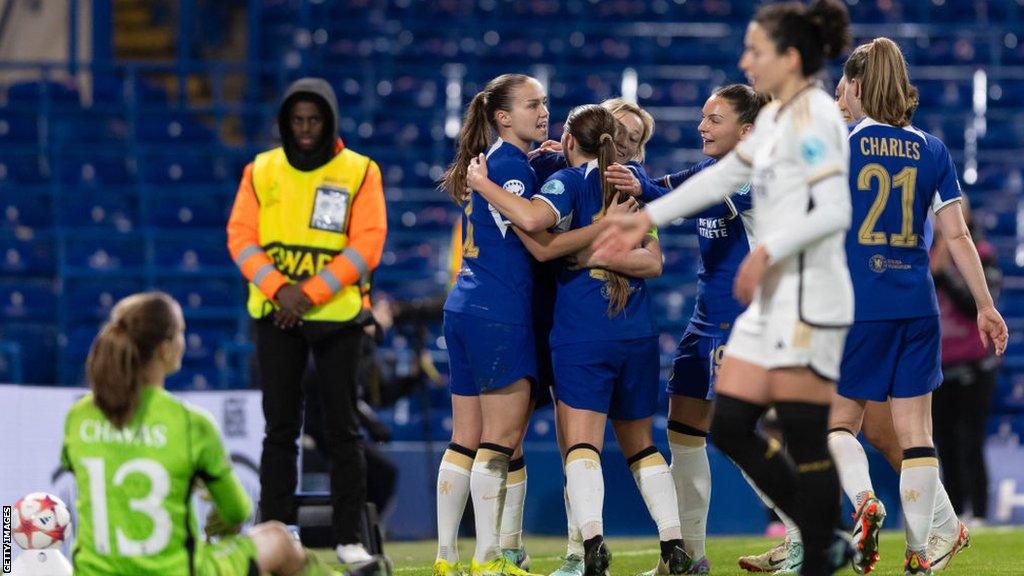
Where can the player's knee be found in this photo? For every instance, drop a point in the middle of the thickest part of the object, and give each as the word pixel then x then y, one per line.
pixel 467 439
pixel 805 428
pixel 276 549
pixel 734 422
pixel 883 440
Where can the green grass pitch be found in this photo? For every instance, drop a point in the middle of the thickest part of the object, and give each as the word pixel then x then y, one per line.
pixel 993 551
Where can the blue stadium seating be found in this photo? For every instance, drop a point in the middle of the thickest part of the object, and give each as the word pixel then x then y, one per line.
pixel 28 301
pixel 38 344
pixel 18 208
pixel 141 188
pixel 27 253
pixel 97 253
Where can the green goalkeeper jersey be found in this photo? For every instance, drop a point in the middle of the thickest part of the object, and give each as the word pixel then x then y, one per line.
pixel 134 513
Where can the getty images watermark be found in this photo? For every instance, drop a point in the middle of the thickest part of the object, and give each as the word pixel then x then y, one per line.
pixel 7 539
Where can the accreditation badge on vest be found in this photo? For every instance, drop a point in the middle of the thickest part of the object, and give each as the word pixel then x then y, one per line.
pixel 330 207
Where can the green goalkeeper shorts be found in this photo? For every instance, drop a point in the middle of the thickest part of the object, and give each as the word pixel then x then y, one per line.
pixel 231 556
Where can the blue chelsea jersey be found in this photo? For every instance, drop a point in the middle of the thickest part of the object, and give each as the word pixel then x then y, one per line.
pixel 896 176
pixel 725 237
pixel 546 163
pixel 581 306
pixel 496 279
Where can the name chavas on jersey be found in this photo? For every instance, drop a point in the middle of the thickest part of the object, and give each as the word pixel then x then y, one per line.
pixel 93 431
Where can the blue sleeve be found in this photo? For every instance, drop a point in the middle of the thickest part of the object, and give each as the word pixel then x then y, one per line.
pixel 742 200
pixel 949 185
pixel 674 180
pixel 547 163
pixel 649 190
pixel 560 193
pixel 515 177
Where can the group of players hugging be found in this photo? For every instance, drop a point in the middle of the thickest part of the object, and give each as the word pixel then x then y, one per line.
pixel 815 215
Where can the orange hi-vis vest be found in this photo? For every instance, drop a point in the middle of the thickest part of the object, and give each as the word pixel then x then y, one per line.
pixel 303 225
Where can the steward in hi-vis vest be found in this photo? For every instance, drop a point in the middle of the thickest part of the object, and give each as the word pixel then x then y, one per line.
pixel 312 217
pixel 306 230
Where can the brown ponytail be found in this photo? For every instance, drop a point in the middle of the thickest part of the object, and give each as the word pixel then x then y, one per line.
pixel 886 94
pixel 618 285
pixel 125 345
pixel 476 133
pixel 594 128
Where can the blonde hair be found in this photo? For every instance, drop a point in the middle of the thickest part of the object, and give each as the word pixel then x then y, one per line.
pixel 125 345
pixel 616 105
pixel 886 94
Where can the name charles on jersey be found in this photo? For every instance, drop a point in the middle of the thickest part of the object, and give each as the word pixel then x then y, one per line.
pixel 894 147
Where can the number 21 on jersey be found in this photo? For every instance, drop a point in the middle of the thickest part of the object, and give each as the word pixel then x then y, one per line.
pixel 906 181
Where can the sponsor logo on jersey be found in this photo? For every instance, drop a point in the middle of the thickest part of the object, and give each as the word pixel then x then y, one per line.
pixel 713 227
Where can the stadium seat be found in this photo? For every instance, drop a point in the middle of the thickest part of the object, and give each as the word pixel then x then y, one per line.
pixel 18 208
pixel 203 254
pixel 18 127
pixel 164 128
pixel 85 208
pixel 189 208
pixel 34 93
pixel 23 169
pixel 28 300
pixel 96 170
pixel 27 253
pixel 182 168
pixel 90 299
pixel 95 253
pixel 209 298
pixel 38 343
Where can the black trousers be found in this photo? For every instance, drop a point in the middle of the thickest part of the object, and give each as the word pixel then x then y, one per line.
pixel 959 409
pixel 282 357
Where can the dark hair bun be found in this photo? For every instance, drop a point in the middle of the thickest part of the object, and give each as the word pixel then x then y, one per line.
pixel 833 20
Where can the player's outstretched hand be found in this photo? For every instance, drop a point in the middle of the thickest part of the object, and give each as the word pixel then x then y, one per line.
pixel 476 173
pixel 624 232
pixel 546 146
pixel 749 276
pixel 623 179
pixel 993 329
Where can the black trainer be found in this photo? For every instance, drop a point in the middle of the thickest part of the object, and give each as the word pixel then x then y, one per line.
pixel 596 557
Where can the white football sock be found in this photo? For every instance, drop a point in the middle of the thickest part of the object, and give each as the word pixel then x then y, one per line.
pixel 919 481
pixel 515 499
pixel 852 466
pixel 944 520
pixel 691 474
pixel 654 480
pixel 487 487
pixel 575 545
pixel 452 493
pixel 792 530
pixel 585 485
